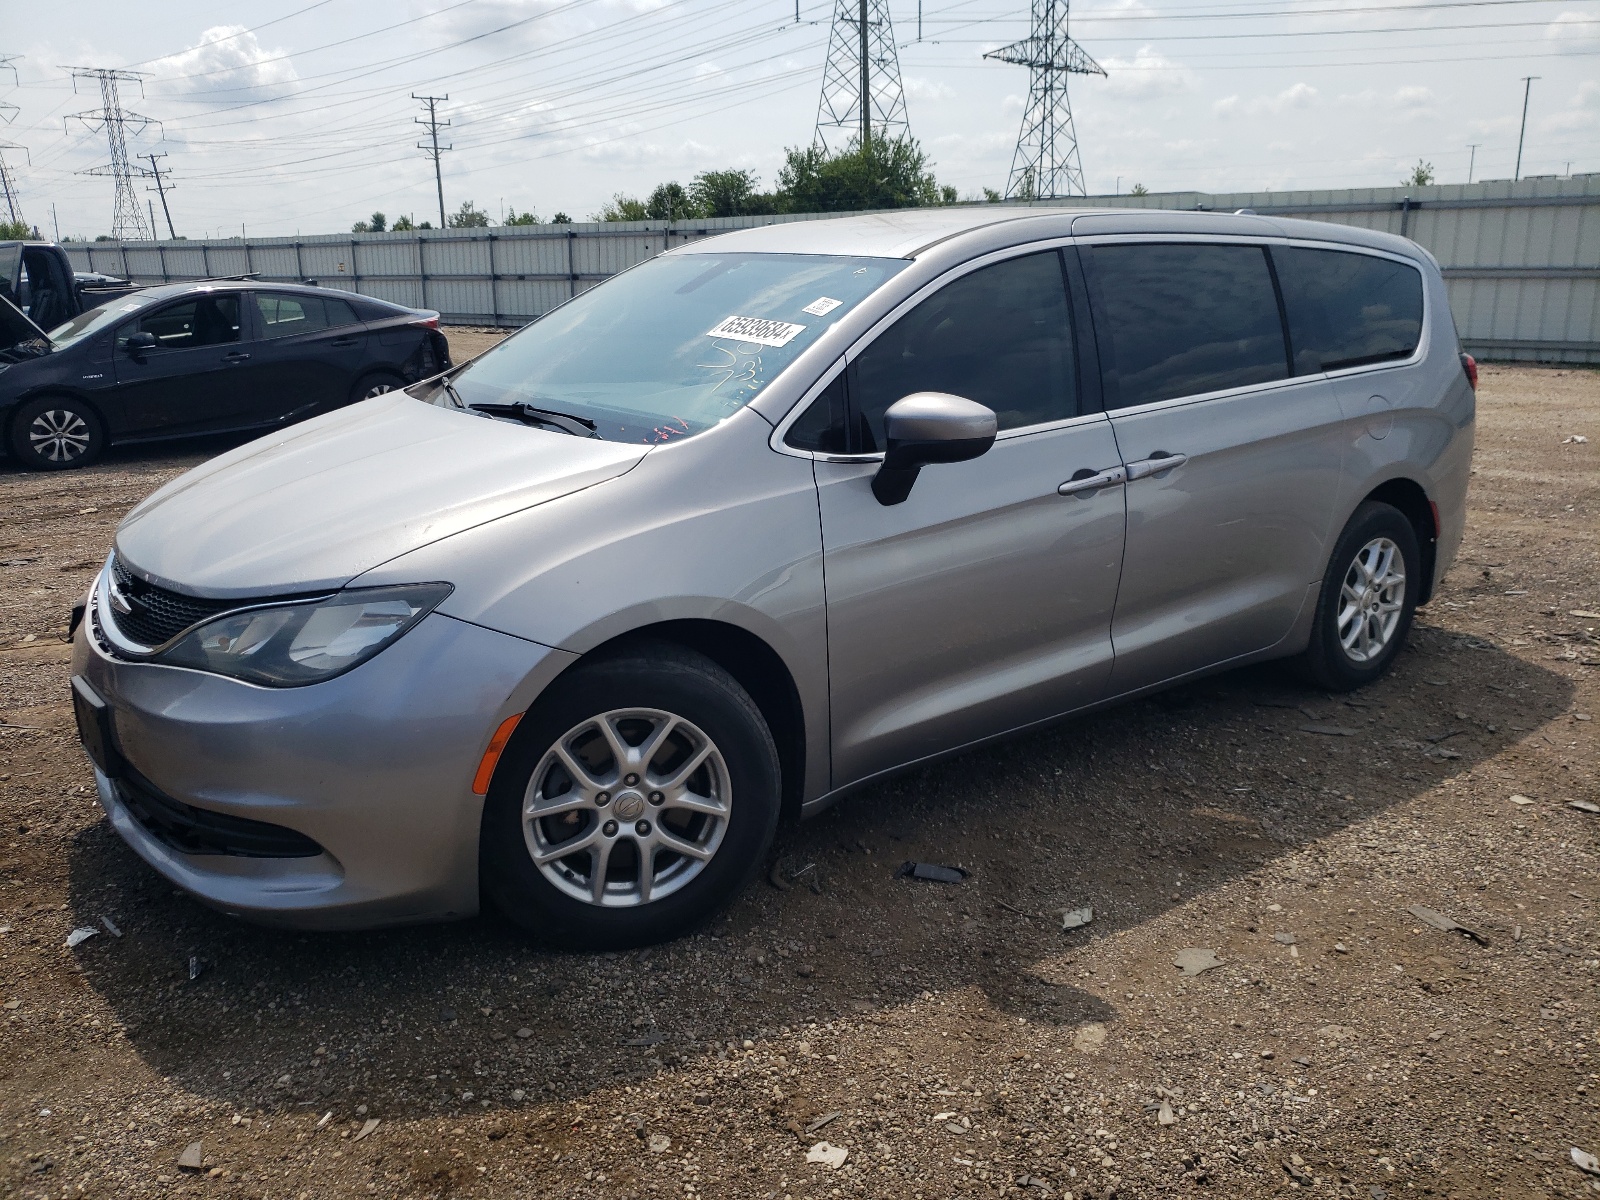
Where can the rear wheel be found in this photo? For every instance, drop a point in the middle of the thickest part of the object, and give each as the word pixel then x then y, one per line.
pixel 1367 600
pixel 376 384
pixel 56 433
pixel 638 796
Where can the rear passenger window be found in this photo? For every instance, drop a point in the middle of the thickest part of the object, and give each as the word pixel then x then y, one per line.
pixel 1179 320
pixel 283 316
pixel 1347 309
pixel 1001 335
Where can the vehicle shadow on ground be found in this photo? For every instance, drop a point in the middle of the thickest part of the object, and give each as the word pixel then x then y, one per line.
pixel 1133 810
pixel 180 453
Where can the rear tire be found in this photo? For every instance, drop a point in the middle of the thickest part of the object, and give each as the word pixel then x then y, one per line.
pixel 1367 600
pixel 598 755
pixel 374 384
pixel 56 433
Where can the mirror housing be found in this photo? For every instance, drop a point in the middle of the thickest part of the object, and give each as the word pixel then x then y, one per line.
pixel 929 427
pixel 139 343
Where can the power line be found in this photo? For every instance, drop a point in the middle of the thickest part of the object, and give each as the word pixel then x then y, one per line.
pixel 433 123
pixel 127 222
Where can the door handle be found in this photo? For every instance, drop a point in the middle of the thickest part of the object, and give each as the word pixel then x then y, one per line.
pixel 1155 464
pixel 343 342
pixel 1086 481
pixel 235 357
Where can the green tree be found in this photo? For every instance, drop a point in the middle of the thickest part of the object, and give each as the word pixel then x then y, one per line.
pixel 623 208
pixel 513 217
pixel 561 218
pixel 881 174
pixel 1421 175
pixel 468 216
pixel 1138 189
pixel 990 196
pixel 947 194
pixel 402 225
pixel 376 223
pixel 670 202
pixel 15 231
pixel 728 193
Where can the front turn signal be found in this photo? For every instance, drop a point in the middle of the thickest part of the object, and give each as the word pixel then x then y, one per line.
pixel 491 756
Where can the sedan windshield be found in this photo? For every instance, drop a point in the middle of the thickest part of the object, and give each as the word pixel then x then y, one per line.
pixel 87 324
pixel 672 346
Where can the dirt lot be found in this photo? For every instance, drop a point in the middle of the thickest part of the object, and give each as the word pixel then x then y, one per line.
pixel 952 1038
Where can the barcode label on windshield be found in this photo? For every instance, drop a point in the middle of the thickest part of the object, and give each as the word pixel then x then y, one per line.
pixel 758 330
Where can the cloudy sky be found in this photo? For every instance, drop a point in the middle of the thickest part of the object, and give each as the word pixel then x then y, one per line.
pixel 288 116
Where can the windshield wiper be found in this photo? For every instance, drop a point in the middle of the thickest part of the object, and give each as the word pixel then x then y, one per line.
pixel 533 415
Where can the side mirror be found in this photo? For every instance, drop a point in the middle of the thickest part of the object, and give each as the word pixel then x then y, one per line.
pixel 929 427
pixel 139 343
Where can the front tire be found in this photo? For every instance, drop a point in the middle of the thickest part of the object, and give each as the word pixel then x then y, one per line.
pixel 638 796
pixel 379 383
pixel 56 433
pixel 1367 601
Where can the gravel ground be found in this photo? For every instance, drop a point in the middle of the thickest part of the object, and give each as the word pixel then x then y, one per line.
pixel 944 1040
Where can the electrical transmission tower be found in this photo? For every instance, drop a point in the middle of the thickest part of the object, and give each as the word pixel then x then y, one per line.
pixel 8 184
pixel 127 220
pixel 432 145
pixel 161 189
pixel 1046 162
pixel 8 112
pixel 861 94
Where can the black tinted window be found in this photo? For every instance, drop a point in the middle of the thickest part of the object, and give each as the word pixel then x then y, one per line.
pixel 1185 319
pixel 1001 336
pixel 1346 309
pixel 285 315
pixel 821 427
pixel 200 321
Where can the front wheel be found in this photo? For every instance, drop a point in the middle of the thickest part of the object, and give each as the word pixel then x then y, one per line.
pixel 380 383
pixel 1368 596
pixel 56 433
pixel 638 795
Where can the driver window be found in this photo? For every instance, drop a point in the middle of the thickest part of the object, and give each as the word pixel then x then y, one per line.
pixel 1000 335
pixel 198 321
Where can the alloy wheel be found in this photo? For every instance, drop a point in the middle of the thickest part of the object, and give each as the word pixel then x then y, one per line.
pixel 377 389
pixel 1371 600
pixel 627 807
pixel 59 435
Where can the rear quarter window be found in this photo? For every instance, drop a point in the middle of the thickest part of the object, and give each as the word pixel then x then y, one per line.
pixel 1347 309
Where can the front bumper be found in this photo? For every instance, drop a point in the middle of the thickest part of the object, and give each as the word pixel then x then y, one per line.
pixel 374 766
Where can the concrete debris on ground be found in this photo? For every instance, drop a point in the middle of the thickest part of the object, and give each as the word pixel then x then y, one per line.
pixel 1194 960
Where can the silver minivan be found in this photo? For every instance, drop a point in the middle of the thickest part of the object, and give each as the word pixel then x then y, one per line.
pixel 575 625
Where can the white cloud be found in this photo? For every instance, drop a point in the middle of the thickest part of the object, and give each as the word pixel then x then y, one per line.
pixel 228 59
pixel 919 88
pixel 1574 33
pixel 1147 73
pixel 1299 95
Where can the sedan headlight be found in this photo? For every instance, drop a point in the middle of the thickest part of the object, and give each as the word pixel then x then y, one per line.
pixel 289 645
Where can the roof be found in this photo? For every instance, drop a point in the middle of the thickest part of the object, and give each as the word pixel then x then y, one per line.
pixel 162 291
pixel 908 233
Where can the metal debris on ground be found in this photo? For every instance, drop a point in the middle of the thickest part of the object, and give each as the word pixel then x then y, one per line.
pixel 326 1117
pixel 192 1158
pixel 1574 439
pixel 371 1124
pixel 197 967
pixel 79 936
pixel 828 1155
pixel 111 927
pixel 1445 924
pixel 1192 960
pixel 1587 806
pixel 931 872
pixel 1076 918
pixel 825 1119
pixel 1585 1162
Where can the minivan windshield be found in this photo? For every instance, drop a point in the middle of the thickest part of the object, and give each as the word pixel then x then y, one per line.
pixel 671 347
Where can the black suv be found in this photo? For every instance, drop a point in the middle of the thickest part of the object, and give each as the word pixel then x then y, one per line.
pixel 199 358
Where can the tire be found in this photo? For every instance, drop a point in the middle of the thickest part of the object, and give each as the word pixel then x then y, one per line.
pixel 56 433
pixel 377 383
pixel 1362 622
pixel 725 809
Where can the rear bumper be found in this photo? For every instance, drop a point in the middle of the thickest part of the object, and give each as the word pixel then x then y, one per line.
pixel 347 804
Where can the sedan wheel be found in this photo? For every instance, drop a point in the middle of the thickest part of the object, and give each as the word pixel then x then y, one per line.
pixel 627 807
pixel 637 796
pixel 377 389
pixel 56 433
pixel 59 435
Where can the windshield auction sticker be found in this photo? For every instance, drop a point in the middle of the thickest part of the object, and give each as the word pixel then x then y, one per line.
pixel 758 330
pixel 822 306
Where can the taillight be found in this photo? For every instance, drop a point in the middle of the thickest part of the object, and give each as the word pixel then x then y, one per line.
pixel 1470 364
pixel 433 323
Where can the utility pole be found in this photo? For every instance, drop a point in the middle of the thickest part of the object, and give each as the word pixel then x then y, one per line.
pixel 161 189
pixel 434 149
pixel 8 183
pixel 1472 161
pixel 862 97
pixel 127 222
pixel 53 221
pixel 1527 89
pixel 1046 162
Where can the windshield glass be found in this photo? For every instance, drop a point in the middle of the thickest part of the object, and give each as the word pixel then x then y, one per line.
pixel 87 324
pixel 676 344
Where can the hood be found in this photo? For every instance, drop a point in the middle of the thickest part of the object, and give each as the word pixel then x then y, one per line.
pixel 312 507
pixel 15 327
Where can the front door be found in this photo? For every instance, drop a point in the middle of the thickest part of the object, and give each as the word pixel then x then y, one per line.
pixel 1233 464
pixel 196 378
pixel 983 602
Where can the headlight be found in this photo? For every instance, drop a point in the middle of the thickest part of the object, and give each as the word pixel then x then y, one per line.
pixel 293 644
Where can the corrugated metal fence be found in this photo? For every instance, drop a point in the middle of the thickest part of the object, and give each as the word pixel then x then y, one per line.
pixel 1522 259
